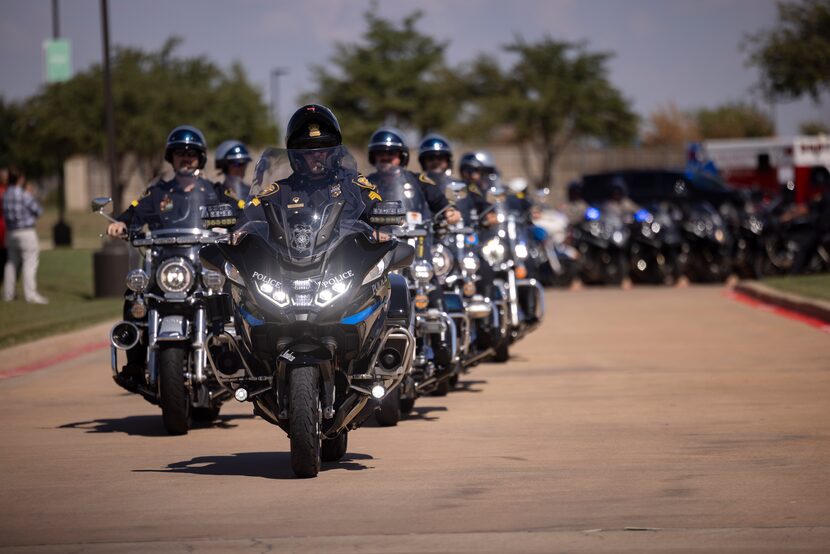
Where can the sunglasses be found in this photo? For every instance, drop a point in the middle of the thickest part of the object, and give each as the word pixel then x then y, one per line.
pixel 185 153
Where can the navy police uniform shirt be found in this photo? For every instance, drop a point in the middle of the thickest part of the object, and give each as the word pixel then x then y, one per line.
pixel 166 204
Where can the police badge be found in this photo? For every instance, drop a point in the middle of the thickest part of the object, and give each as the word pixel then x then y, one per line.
pixel 301 237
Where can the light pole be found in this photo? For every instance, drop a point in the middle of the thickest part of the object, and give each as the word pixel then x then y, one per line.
pixel 112 262
pixel 274 83
pixel 61 232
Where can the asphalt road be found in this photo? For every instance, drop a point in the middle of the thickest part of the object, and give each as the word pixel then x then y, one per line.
pixel 642 420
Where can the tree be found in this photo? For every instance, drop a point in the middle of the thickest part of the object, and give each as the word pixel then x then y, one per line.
pixel 671 126
pixel 556 92
pixel 152 92
pixel 395 75
pixel 814 128
pixel 794 58
pixel 734 120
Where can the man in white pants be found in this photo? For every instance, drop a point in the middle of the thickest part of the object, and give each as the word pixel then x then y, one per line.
pixel 21 210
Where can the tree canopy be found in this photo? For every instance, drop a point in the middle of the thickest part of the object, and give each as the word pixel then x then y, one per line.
pixel 153 92
pixel 734 120
pixel 554 93
pixel 794 57
pixel 394 75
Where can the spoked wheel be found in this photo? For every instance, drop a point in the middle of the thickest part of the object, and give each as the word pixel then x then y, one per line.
pixel 304 416
pixel 334 449
pixel 174 397
pixel 389 412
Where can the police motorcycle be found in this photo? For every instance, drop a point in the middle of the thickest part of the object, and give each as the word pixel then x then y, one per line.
pixel 552 229
pixel 436 352
pixel 655 247
pixel 707 243
pixel 520 298
pixel 457 267
pixel 323 327
pixel 170 304
pixel 601 238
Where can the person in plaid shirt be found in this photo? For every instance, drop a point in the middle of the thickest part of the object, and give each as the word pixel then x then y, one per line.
pixel 21 210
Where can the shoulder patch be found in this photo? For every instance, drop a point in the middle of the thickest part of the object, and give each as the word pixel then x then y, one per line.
pixel 229 193
pixel 255 201
pixel 373 195
pixel 134 203
pixel 270 189
pixel 364 183
pixel 241 204
pixel 425 179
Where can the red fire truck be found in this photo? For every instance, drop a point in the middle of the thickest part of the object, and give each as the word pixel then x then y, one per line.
pixel 767 163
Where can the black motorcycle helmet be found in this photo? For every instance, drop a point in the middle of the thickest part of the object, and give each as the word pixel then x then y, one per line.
pixel 231 151
pixel 387 139
pixel 188 138
pixel 313 126
pixel 434 144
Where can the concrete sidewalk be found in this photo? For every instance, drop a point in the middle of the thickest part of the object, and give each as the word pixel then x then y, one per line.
pixel 810 307
pixel 53 348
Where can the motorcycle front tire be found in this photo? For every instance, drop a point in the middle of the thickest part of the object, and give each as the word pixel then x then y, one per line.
pixel 388 413
pixel 174 397
pixel 304 422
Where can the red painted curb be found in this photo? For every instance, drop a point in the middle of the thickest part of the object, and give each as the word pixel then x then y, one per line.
pixel 65 357
pixel 778 310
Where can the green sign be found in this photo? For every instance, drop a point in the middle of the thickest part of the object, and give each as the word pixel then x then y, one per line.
pixel 58 56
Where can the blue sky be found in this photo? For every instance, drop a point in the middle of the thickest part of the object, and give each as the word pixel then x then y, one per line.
pixel 687 52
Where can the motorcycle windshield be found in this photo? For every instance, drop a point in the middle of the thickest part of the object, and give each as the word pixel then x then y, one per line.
pixel 180 210
pixel 398 186
pixel 306 201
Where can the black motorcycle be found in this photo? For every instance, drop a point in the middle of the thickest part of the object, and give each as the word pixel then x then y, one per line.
pixel 654 248
pixel 519 298
pixel 707 246
pixel 602 241
pixel 167 323
pixel 324 328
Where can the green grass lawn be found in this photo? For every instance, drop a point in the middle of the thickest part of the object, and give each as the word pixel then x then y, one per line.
pixel 813 286
pixel 65 278
pixel 86 227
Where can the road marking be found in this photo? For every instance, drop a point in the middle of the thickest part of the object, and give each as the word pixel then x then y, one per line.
pixel 60 358
pixel 778 310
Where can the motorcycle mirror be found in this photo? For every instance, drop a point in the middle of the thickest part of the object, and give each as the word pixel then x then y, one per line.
pixel 402 256
pixel 218 215
pixel 387 213
pixel 100 202
pixel 543 192
pixel 455 191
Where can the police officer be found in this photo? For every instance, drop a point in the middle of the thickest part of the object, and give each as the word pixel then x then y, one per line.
pixel 476 169
pixel 169 201
pixel 232 159
pixel 619 203
pixel 389 154
pixel 163 205
pixel 316 154
pixel 575 206
pixel 518 201
pixel 435 156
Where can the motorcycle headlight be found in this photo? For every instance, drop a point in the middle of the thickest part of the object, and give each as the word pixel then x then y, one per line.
pixel 471 263
pixel 277 295
pixel 756 225
pixel 441 261
pixel 521 251
pixel 494 251
pixel 618 237
pixel 326 296
pixel 213 280
pixel 137 280
pixel 655 227
pixel 375 273
pixel 175 275
pixel 233 274
pixel 422 270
